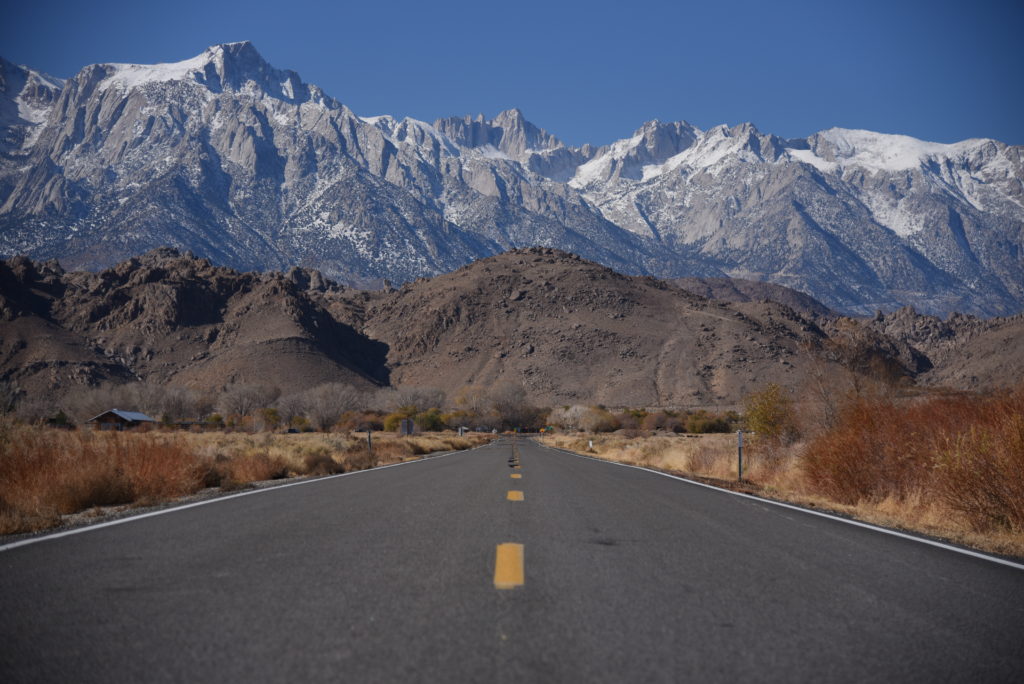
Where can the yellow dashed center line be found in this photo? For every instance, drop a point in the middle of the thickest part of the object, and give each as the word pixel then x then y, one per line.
pixel 516 476
pixel 508 566
pixel 515 495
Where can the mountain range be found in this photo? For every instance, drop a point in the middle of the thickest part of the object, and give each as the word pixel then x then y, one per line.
pixel 232 159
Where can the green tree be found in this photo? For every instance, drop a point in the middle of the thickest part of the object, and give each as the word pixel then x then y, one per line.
pixel 770 414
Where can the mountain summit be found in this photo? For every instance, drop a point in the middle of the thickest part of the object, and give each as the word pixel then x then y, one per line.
pixel 229 157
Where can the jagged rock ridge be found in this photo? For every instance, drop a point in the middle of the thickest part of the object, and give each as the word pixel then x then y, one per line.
pixel 224 155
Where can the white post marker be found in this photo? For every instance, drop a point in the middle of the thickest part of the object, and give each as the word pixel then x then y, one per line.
pixel 739 455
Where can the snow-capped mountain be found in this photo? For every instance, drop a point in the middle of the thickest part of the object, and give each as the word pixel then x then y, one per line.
pixel 228 157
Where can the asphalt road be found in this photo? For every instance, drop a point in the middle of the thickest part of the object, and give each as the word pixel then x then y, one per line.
pixel 389 576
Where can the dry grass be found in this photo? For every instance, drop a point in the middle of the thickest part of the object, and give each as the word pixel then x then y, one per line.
pixel 48 473
pixel 951 467
pixel 712 455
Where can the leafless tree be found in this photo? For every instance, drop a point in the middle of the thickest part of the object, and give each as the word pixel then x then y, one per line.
pixel 242 400
pixel 325 403
pixel 510 402
pixel 569 417
pixel 289 406
pixel 419 398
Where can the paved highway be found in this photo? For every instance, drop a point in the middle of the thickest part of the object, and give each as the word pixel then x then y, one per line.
pixel 607 574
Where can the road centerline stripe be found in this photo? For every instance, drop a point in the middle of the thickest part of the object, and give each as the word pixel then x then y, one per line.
pixel 516 476
pixel 508 566
pixel 515 495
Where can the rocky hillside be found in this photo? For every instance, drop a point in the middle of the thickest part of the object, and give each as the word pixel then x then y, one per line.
pixel 965 351
pixel 171 319
pixel 246 164
pixel 567 329
pixel 741 290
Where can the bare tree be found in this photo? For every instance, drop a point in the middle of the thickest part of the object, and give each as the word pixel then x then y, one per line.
pixel 510 403
pixel 325 403
pixel 289 406
pixel 569 417
pixel 473 400
pixel 83 405
pixel 242 400
pixel 416 398
pixel 35 409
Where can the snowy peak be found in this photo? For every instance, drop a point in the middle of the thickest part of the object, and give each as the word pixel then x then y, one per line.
pixel 658 147
pixel 509 132
pixel 26 98
pixel 232 67
pixel 226 155
pixel 838 148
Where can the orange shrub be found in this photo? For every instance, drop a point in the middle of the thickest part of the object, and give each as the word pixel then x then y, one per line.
pixel 967 450
pixel 980 470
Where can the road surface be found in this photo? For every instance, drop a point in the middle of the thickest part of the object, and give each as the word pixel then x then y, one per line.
pixel 609 574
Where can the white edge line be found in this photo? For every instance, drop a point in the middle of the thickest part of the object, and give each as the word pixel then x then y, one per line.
pixel 226 497
pixel 857 523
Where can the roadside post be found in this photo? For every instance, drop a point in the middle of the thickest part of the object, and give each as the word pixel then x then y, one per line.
pixel 739 455
pixel 369 441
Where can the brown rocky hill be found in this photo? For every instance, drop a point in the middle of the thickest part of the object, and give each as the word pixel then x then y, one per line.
pixel 741 290
pixel 966 352
pixel 566 329
pixel 172 319
pixel 570 330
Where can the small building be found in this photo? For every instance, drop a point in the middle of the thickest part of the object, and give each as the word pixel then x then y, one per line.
pixel 116 419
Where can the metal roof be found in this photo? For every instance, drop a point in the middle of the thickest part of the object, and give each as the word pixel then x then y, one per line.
pixel 131 416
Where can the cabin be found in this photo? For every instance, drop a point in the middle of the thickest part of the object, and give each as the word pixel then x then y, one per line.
pixel 116 419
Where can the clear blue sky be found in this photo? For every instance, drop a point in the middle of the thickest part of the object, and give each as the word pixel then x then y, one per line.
pixel 592 71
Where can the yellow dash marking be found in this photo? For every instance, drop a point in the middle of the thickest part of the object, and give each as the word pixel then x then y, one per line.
pixel 508 566
pixel 516 476
pixel 515 495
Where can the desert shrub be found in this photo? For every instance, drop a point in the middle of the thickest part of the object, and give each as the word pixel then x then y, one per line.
pixel 872 452
pixel 654 421
pixel 770 414
pixel 430 420
pixel 158 469
pixel 598 419
pixel 268 418
pixel 702 422
pixel 300 423
pixel 631 419
pixel 393 421
pixel 360 421
pixel 968 450
pixel 46 473
pixel 319 461
pixel 980 469
pixel 253 466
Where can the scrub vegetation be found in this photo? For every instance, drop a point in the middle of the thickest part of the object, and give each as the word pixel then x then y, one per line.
pixel 47 473
pixel 950 466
